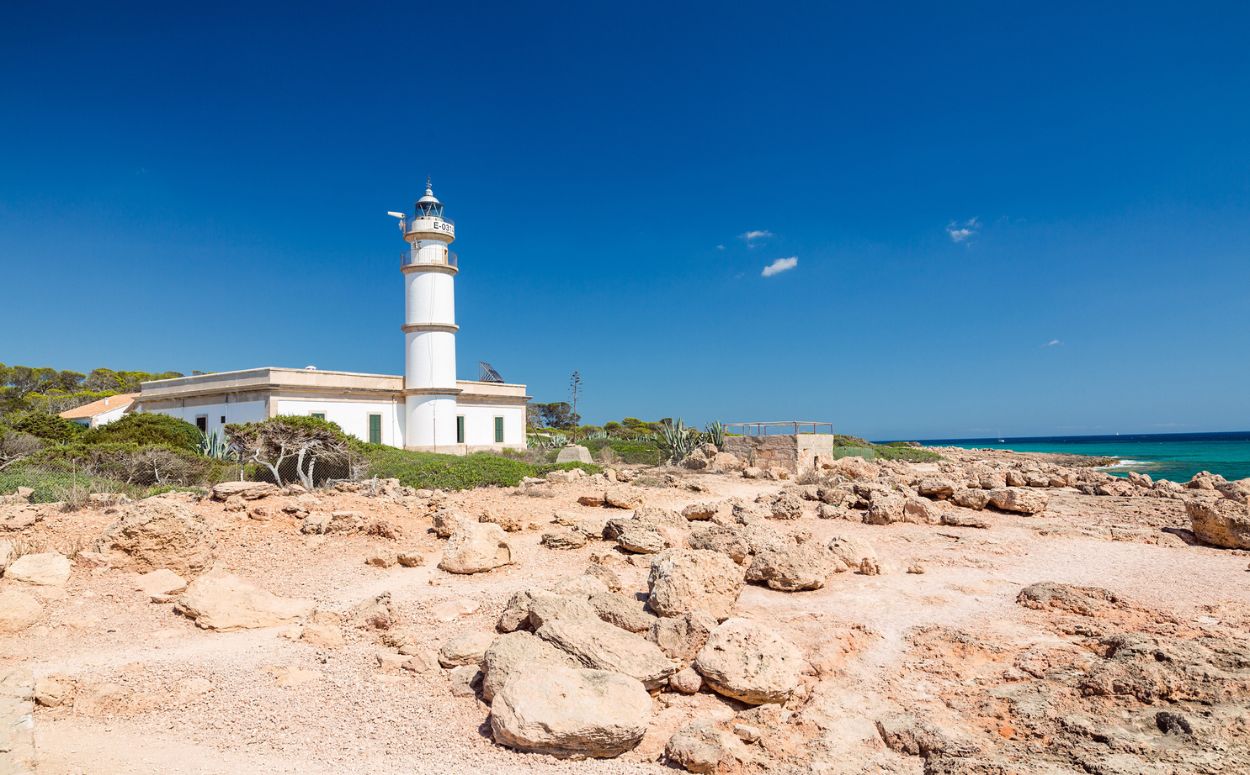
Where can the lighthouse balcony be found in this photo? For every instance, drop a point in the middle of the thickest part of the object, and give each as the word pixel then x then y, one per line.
pixel 443 258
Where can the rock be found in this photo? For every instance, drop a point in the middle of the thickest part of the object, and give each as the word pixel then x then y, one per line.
pixel 18 610
pixel 1084 601
pixel 747 733
pixel 909 735
pixel 915 568
pixel 316 523
pixel 686 681
pixel 410 558
pixel 447 520
pixel 1224 522
pixel 161 581
pixel 855 468
pixel 718 538
pixel 936 489
pixel 593 499
pixel 160 533
pixel 641 539
pixel 623 611
pixel 509 522
pixel 746 661
pixel 569 712
pixel 219 600
pixel 467 648
pixel 957 519
pixel 515 653
pixel 971 499
pixel 465 680
pixel 584 587
pixel 243 490
pixel 919 511
pixel 849 553
pixel 1018 500
pixel 574 453
pixel 7 554
pixel 419 660
pixel 381 559
pixel 568 538
pixel 785 505
pixel 45 569
pixel 530 608
pixel 682 637
pixel 54 691
pixel 752 472
pixel 884 507
pixel 795 568
pixel 701 747
pixel 622 498
pixel 476 547
pixel 601 646
pixel 683 580
pixel 324 630
pixel 604 574
pixel 700 511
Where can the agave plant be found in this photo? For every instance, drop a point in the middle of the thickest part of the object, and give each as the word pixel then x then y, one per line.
pixel 715 433
pixel 216 446
pixel 677 440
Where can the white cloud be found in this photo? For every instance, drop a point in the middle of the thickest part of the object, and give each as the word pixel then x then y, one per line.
pixel 780 265
pixel 755 235
pixel 1053 343
pixel 720 247
pixel 962 232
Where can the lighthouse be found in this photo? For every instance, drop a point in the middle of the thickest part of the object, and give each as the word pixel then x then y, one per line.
pixel 430 268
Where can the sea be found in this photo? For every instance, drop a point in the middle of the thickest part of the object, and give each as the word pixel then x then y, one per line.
pixel 1174 456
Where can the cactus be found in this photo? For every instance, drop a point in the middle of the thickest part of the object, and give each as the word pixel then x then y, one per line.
pixel 715 432
pixel 677 440
pixel 217 447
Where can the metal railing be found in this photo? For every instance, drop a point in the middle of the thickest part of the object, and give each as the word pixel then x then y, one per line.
pixel 780 427
pixel 406 258
pixel 423 217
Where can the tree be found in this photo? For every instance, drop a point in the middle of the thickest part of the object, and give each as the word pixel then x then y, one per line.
pixel 147 428
pixel 287 439
pixel 49 427
pixel 16 446
pixel 557 415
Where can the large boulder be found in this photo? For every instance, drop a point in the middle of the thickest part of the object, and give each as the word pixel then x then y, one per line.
pixel 602 646
pixel 476 547
pixel 849 553
pixel 884 507
pixel 570 712
pixel 624 611
pixel 516 653
pixel 1223 522
pixel 45 569
pixel 18 610
pixel 1019 500
pixel 574 453
pixel 748 662
pixel 684 580
pixel 793 569
pixel 219 600
pixel 529 609
pixel 854 468
pixel 937 489
pixel 245 490
pixel 681 637
pixel 727 540
pixel 467 648
pixel 701 747
pixel 160 533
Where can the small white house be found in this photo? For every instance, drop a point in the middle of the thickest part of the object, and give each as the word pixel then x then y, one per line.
pixel 426 409
pixel 101 412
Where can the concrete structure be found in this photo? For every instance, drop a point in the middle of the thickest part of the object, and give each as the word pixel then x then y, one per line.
pixel 101 412
pixel 426 409
pixel 795 452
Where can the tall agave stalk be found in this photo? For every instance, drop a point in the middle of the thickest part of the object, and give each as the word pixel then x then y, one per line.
pixel 715 433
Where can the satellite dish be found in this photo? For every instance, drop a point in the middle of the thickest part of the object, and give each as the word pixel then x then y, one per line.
pixel 487 373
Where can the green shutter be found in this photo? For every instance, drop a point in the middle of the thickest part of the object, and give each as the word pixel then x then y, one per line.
pixel 498 430
pixel 319 415
pixel 460 429
pixel 375 429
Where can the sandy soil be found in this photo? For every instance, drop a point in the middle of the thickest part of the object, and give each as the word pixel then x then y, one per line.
pixel 156 694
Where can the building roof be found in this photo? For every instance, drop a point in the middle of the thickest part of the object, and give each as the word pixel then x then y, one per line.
pixel 109 404
pixel 310 380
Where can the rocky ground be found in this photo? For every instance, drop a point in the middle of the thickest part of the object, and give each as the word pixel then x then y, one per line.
pixel 991 613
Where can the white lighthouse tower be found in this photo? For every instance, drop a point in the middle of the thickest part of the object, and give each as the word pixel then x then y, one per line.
pixel 430 328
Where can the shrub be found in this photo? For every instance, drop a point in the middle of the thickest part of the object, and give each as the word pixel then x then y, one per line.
pixel 16 446
pixel 133 464
pixel 147 428
pixel 633 451
pixel 444 472
pixel 292 446
pixel 49 427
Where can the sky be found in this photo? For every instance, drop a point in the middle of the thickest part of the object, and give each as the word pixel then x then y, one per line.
pixel 912 221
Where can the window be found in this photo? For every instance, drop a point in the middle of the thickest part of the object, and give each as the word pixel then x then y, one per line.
pixel 223 419
pixel 498 430
pixel 375 429
pixel 319 415
pixel 460 429
pixel 201 422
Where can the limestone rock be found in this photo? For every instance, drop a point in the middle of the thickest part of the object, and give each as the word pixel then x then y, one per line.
pixel 601 646
pixel 971 499
pixel 476 547
pixel 799 567
pixel 746 661
pixel 682 637
pixel 567 538
pixel 701 747
pixel 937 489
pixel 1018 500
pixel 686 681
pixel 161 533
pixel 624 611
pixel 919 511
pixel 54 691
pixel 569 712
pixel 161 581
pixel 641 539
pixel 467 648
pixel 583 586
pixel 574 453
pixel 700 511
pixel 684 580
pixel 515 653
pixel 410 558
pixel 884 507
pixel 244 490
pixel 622 498
pixel 530 608
pixel 721 538
pixel 1223 522
pixel 849 553
pixel 447 521
pixel 464 680
pixel 957 519
pixel 219 600
pixel 509 522
pixel 45 569
pixel 7 555
pixel 18 610
pixel 855 468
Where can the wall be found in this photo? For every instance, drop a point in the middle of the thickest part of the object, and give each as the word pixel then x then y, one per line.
pixel 430 422
pixel 112 415
pixel 794 453
pixel 431 359
pixel 214 408
pixel 351 415
pixel 479 424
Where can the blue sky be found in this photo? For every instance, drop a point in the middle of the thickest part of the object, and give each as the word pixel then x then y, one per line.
pixel 1004 220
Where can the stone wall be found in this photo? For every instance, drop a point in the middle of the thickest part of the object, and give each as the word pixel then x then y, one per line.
pixel 794 453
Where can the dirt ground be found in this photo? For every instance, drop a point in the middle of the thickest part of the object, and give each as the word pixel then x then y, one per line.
pixel 949 648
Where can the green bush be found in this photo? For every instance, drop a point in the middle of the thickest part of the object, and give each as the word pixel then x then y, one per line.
pixel 637 452
pixel 444 472
pixel 55 485
pixel 147 428
pixel 49 427
pixel 134 464
pixel 907 454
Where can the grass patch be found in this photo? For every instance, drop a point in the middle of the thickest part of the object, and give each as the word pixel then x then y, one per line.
pixel 635 451
pixel 429 470
pixel 57 486
pixel 853 446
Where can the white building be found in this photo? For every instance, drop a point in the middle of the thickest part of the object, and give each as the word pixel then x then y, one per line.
pixel 101 412
pixel 426 409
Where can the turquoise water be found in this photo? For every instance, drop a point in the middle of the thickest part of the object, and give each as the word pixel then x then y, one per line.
pixel 1175 456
